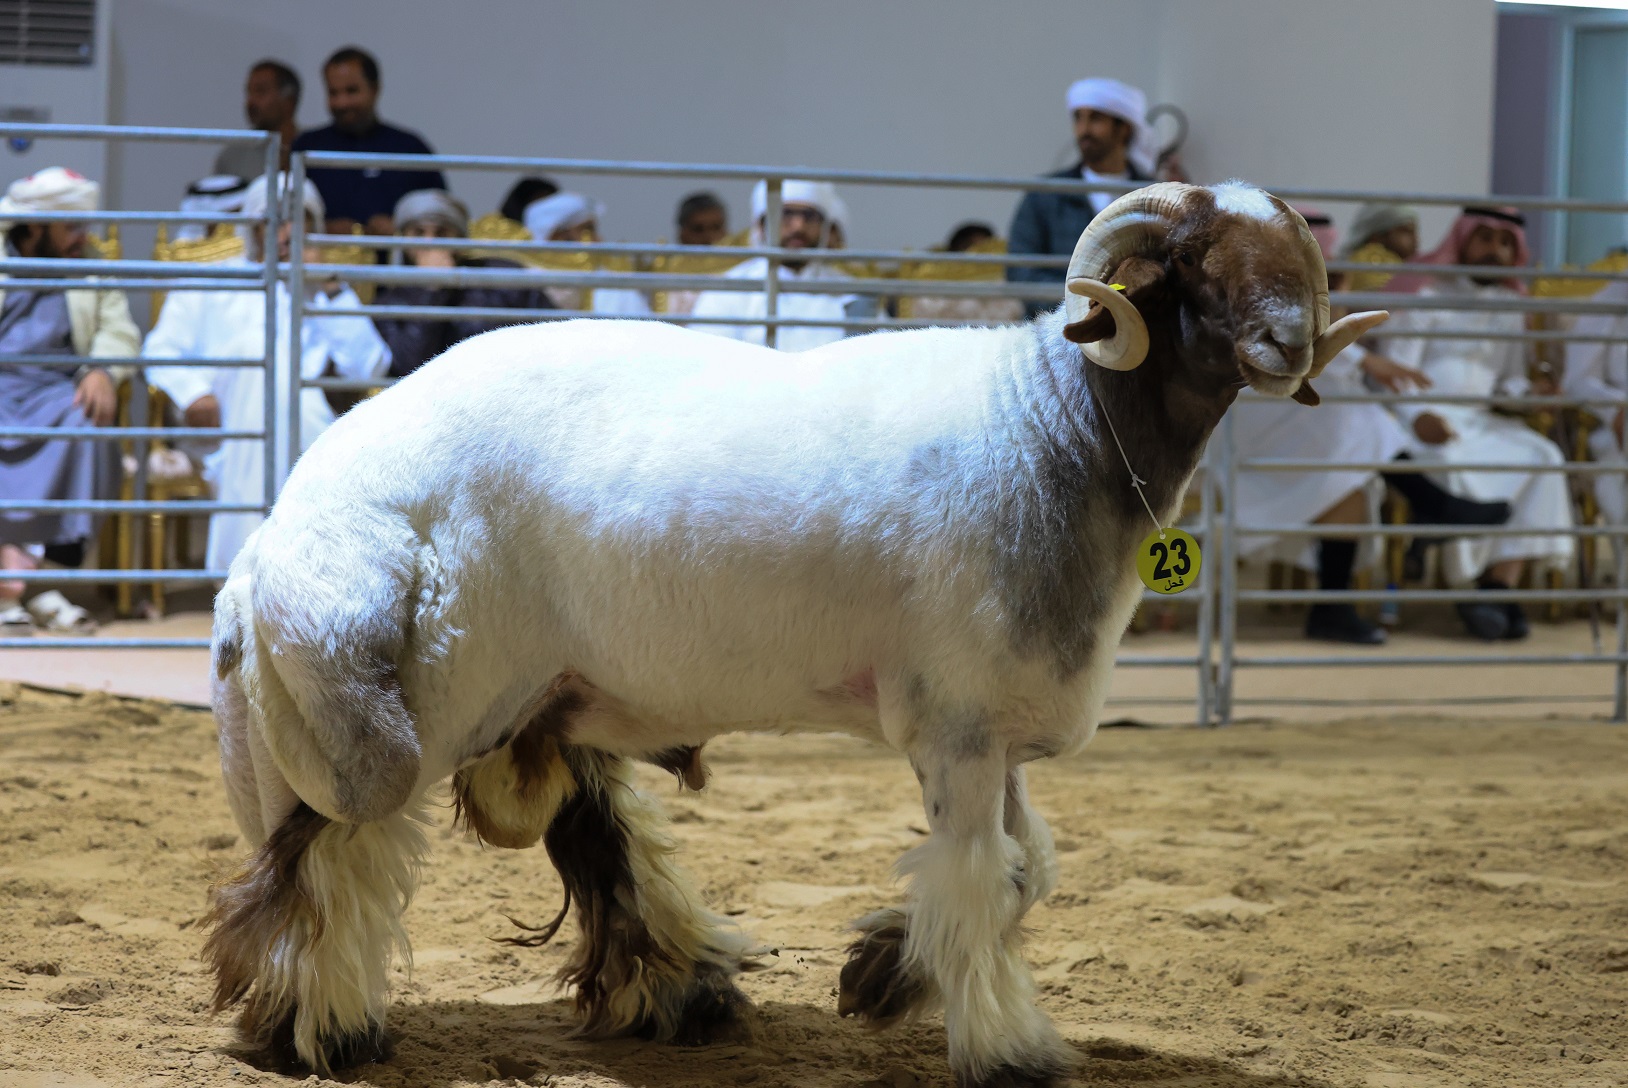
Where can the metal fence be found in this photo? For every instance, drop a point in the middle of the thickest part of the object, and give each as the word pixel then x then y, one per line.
pixel 1217 656
pixel 142 277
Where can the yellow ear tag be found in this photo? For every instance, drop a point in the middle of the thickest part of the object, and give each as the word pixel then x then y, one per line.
pixel 1168 561
pixel 1116 287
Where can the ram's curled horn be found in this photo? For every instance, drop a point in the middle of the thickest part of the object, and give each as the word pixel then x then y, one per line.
pixel 1341 335
pixel 1135 225
pixel 1330 339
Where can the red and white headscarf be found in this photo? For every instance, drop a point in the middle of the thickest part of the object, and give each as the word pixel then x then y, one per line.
pixel 54 189
pixel 1451 249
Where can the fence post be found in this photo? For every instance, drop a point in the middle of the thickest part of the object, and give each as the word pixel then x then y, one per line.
pixel 268 261
pixel 1228 603
pixel 296 303
pixel 771 238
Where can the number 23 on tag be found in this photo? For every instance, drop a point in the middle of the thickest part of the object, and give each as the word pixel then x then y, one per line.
pixel 1168 561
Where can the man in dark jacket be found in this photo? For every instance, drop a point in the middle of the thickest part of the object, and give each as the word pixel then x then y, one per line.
pixel 1110 127
pixel 436 213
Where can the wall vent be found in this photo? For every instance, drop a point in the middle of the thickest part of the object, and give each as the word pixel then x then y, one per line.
pixel 60 32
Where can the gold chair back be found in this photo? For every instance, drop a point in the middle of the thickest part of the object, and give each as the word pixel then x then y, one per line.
pixel 931 308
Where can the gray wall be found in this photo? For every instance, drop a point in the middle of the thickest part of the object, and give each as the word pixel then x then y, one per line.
pixel 1387 93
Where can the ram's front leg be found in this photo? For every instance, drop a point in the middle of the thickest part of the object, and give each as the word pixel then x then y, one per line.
pixel 957 942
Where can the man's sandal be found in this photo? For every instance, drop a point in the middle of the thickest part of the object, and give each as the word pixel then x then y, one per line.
pixel 55 613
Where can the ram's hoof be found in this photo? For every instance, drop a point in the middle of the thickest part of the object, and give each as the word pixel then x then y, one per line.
pixel 875 984
pixel 279 1054
pixel 715 1011
pixel 1044 1072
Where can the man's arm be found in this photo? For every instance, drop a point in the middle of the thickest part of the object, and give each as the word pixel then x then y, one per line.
pixel 354 346
pixel 1028 236
pixel 412 343
pixel 177 335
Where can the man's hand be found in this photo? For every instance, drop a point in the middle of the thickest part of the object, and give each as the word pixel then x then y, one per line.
pixel 1392 374
pixel 380 224
pixel 1432 429
pixel 203 412
pixel 96 397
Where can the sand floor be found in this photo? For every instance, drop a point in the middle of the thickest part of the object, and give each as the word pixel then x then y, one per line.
pixel 1401 903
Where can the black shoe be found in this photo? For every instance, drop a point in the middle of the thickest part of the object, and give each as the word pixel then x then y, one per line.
pixel 1340 623
pixel 1458 511
pixel 1486 621
pixel 1519 626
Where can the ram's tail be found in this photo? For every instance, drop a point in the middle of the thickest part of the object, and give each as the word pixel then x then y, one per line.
pixel 331 609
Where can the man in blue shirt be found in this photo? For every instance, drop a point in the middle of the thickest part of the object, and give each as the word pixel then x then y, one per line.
pixel 366 196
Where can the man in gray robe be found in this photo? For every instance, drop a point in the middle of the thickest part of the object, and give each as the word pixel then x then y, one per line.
pixel 79 323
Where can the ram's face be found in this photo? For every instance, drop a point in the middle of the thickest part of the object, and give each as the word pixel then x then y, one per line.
pixel 1250 288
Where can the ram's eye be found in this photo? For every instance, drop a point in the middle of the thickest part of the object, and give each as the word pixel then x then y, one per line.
pixel 1185 258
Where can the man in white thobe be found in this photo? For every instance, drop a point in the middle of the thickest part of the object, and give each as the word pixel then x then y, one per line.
pixel 231 325
pixel 571 217
pixel 1456 434
pixel 1335 433
pixel 809 209
pixel 1598 372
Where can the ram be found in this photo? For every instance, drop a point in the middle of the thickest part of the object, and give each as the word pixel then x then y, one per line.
pixel 560 549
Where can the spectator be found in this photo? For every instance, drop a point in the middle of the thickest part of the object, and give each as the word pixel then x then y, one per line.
pixel 365 197
pixel 1337 433
pixel 969 236
pixel 572 217
pixel 231 325
pixel 1598 371
pixel 271 102
pixel 436 213
pixel 525 192
pixel 1381 234
pixel 1110 121
pixel 702 220
pixel 216 193
pixel 808 209
pixel 1445 435
pixel 75 322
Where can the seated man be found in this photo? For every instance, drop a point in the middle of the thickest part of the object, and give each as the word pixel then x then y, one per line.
pixel 1337 433
pixel 1111 131
pixel 232 325
pixel 702 220
pixel 1381 234
pixel 436 213
pixel 572 217
pixel 524 193
pixel 808 209
pixel 1444 435
pixel 78 322
pixel 1598 371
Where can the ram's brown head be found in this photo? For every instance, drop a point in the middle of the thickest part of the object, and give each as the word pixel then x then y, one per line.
pixel 1230 275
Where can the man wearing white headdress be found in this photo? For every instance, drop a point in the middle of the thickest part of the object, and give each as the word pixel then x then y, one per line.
pixel 808 211
pixel 1116 146
pixel 1598 371
pixel 77 323
pixel 572 217
pixel 232 325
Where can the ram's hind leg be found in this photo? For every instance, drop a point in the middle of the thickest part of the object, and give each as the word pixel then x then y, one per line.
pixel 651 960
pixel 302 935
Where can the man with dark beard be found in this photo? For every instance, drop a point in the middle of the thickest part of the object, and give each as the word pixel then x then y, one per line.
pixel 1490 240
pixel 80 323
pixel 1110 129
pixel 271 100
pixel 365 197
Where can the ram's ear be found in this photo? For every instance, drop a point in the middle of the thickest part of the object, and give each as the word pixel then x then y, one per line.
pixel 1306 395
pixel 1140 280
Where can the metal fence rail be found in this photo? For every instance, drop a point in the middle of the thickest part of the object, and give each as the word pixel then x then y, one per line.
pixel 1215 517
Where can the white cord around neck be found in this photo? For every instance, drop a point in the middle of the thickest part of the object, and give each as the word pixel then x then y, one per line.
pixel 1136 481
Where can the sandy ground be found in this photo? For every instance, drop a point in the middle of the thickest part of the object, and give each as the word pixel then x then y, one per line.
pixel 1402 903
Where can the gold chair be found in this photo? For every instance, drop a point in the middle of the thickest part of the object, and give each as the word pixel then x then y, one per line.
pixel 221 244
pixel 692 264
pixel 171 477
pixel 496 227
pixel 1374 253
pixel 954 310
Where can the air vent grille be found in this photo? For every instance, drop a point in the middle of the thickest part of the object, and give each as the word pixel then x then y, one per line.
pixel 47 31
